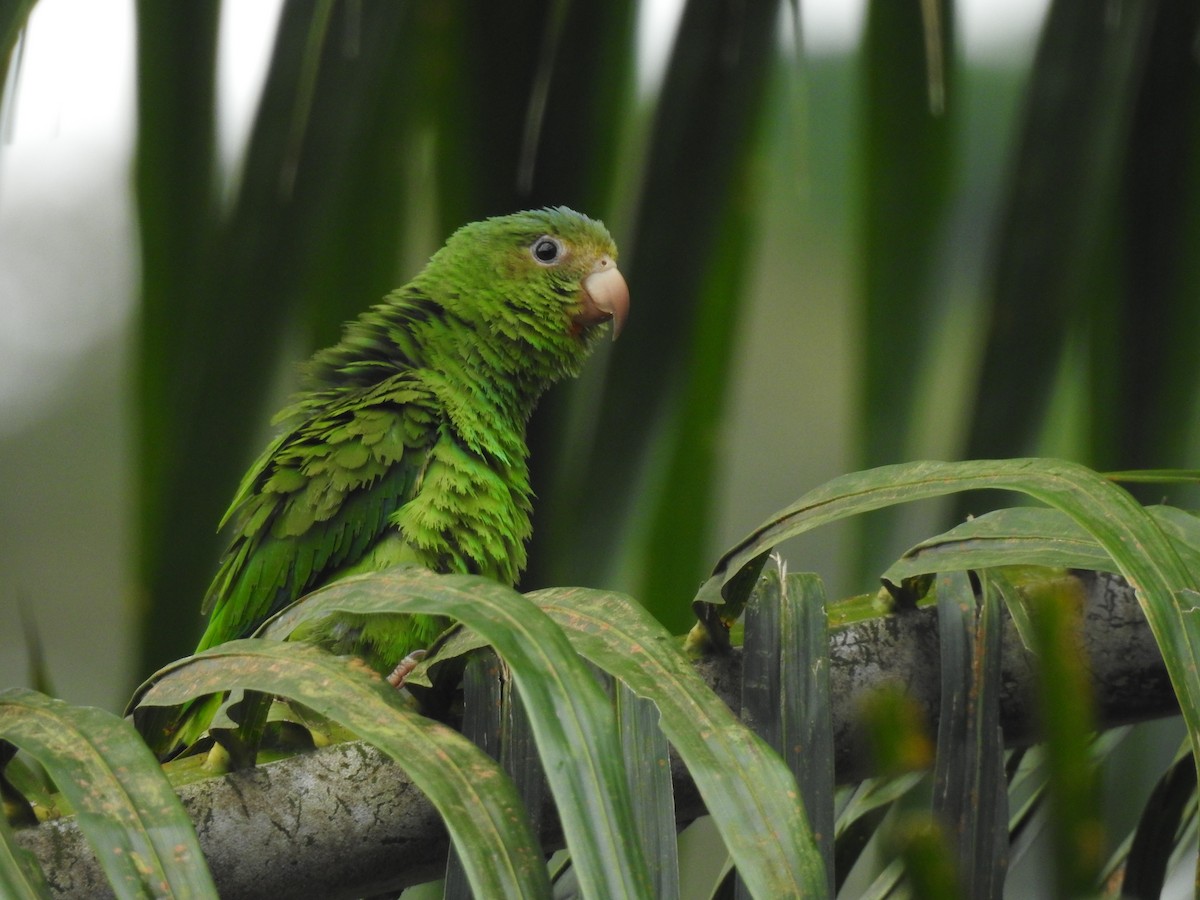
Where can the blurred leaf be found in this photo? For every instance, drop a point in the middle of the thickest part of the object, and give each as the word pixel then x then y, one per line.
pixel 571 717
pixel 1157 835
pixel 913 843
pixel 1067 722
pixel 528 102
pixel 899 739
pixel 668 375
pixel 924 846
pixel 351 176
pixel 1051 266
pixel 907 174
pixel 35 651
pixel 1143 368
pixel 314 220
pixel 13 16
pixel 26 793
pixel 141 835
pixel 176 193
pixel 477 801
pixel 561 138
pixel 1028 776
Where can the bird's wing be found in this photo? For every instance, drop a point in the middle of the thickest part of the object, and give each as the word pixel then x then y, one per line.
pixel 317 501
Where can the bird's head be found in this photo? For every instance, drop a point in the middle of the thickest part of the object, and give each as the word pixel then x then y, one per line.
pixel 544 281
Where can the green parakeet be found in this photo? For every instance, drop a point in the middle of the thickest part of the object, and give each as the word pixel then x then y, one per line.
pixel 406 442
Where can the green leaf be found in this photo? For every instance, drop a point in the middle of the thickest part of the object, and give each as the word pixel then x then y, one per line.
pixel 969 788
pixel 494 721
pixel 907 173
pixel 1143 554
pixel 125 807
pixel 669 374
pixel 485 819
pixel 571 717
pixel 13 17
pixel 860 817
pixel 1155 476
pixel 752 797
pixel 1032 536
pixel 785 690
pixel 20 876
pixel 1053 263
pixel 1157 834
pixel 1067 723
pixel 809 691
pixel 648 764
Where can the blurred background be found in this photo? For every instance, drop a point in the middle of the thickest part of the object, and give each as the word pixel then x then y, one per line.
pixel 855 233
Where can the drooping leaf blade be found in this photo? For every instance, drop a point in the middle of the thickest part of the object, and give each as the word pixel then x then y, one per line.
pixel 754 800
pixel 483 814
pixel 125 807
pixel 1143 553
pixel 20 876
pixel 571 717
pixel 1037 537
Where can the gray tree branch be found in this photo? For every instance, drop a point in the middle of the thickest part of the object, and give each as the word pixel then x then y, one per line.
pixel 345 821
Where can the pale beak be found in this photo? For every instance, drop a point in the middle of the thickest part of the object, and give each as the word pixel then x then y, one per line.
pixel 605 296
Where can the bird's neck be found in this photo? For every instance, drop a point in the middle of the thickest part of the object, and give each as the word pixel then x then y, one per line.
pixel 479 383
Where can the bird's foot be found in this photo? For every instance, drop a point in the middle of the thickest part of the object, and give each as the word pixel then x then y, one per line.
pixel 404 667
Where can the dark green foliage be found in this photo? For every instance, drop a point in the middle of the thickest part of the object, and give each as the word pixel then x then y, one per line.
pixel 909 125
pixel 667 380
pixel 181 321
pixel 1090 250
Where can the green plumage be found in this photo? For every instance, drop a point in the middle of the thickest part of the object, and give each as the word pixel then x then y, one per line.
pixel 407 442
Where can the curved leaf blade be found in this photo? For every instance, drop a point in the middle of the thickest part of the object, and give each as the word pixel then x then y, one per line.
pixel 1034 536
pixel 21 877
pixel 572 718
pixel 125 807
pixel 478 802
pixel 751 794
pixel 1166 590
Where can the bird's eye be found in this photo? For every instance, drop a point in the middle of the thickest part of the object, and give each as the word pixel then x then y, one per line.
pixel 547 250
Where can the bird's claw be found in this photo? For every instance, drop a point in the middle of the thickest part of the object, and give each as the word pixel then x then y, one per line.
pixel 404 668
